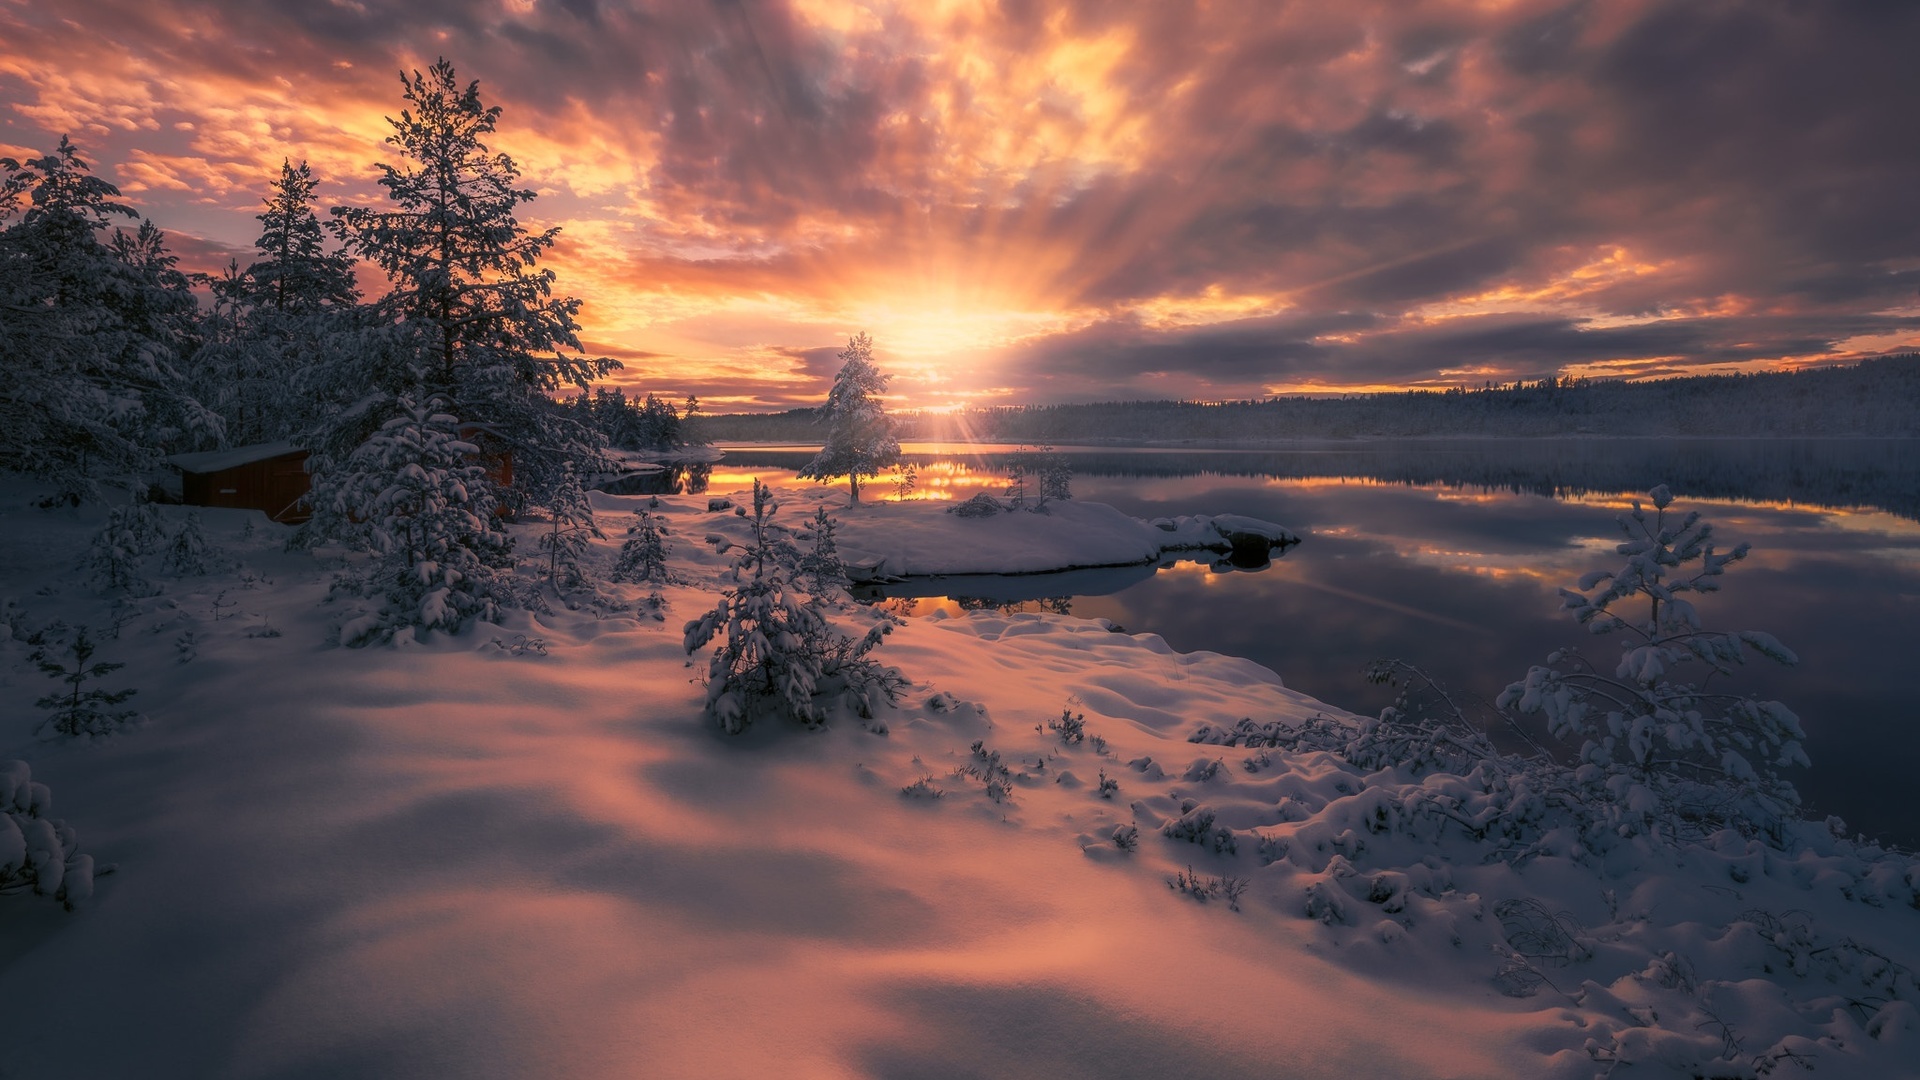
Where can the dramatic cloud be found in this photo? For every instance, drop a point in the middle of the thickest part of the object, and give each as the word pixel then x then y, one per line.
pixel 1082 200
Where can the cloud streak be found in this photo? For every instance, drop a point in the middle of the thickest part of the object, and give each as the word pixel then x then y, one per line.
pixel 1032 201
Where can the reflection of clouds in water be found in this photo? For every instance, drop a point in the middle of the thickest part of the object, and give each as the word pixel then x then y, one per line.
pixel 1392 569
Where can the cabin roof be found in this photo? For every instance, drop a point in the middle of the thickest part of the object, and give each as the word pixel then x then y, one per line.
pixel 212 461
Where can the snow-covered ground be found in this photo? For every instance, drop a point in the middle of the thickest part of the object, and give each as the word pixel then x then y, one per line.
pixel 519 852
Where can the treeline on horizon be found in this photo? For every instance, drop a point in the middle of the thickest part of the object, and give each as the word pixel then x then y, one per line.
pixel 1878 397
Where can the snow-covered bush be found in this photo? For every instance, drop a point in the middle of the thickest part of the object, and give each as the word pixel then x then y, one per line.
pixel 77 710
pixel 38 853
pixel 981 505
pixel 777 653
pixel 414 494
pixel 1670 754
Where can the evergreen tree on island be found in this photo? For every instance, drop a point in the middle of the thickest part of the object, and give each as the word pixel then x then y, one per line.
pixel 860 438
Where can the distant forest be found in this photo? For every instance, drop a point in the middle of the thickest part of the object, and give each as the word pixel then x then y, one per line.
pixel 1879 397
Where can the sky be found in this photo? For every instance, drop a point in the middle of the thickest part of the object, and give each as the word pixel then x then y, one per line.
pixel 1097 200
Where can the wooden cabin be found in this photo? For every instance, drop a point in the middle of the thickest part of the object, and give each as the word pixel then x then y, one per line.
pixel 273 477
pixel 269 477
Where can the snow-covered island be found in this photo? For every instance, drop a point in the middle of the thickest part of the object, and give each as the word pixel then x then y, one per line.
pixel 518 850
pixel 917 538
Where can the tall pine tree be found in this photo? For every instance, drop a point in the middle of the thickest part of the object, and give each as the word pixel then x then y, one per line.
pixel 479 317
pixel 275 323
pixel 472 325
pixel 295 273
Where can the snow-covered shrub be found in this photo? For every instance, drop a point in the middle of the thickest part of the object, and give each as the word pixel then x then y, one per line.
pixel 117 551
pixel 643 555
pixel 922 788
pixel 1195 825
pixel 1668 753
pixel 38 853
pixel 1203 888
pixel 415 495
pixel 777 651
pixel 992 773
pixel 981 505
pixel 77 710
pixel 1071 727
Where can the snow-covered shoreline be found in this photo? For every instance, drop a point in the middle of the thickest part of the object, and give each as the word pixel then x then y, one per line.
pixel 519 851
pixel 922 538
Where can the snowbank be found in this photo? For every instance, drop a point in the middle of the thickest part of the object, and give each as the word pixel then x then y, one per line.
pixel 518 852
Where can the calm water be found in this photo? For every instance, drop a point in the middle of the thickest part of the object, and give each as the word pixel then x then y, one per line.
pixel 1449 555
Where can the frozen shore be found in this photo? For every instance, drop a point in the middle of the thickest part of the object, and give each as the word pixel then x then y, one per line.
pixel 518 851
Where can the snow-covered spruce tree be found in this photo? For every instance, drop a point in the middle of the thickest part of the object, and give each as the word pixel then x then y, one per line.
pixel 1669 754
pixel 570 527
pixel 117 552
pixel 821 561
pixel 38 853
pixel 477 320
pixel 860 439
pixel 91 332
pixel 777 653
pixel 643 556
pixel 78 710
pixel 415 495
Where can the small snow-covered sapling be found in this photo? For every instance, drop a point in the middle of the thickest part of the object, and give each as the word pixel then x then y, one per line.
pixel 78 710
pixel 643 557
pixel 1071 727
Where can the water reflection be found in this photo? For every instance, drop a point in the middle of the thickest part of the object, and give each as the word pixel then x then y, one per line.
pixel 679 478
pixel 1423 562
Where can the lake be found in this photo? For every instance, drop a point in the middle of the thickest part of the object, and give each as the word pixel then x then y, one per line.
pixel 1449 554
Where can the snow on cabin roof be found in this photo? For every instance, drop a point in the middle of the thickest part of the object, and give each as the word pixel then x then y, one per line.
pixel 211 461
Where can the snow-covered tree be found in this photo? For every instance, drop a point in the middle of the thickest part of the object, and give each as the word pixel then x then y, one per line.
pixel 860 439
pixel 273 329
pixel 91 331
pixel 821 562
pixel 1669 751
pixel 77 710
pixel 570 527
pixel 416 496
pixel 117 552
pixel 481 324
pixel 777 653
pixel 643 556
pixel 295 271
